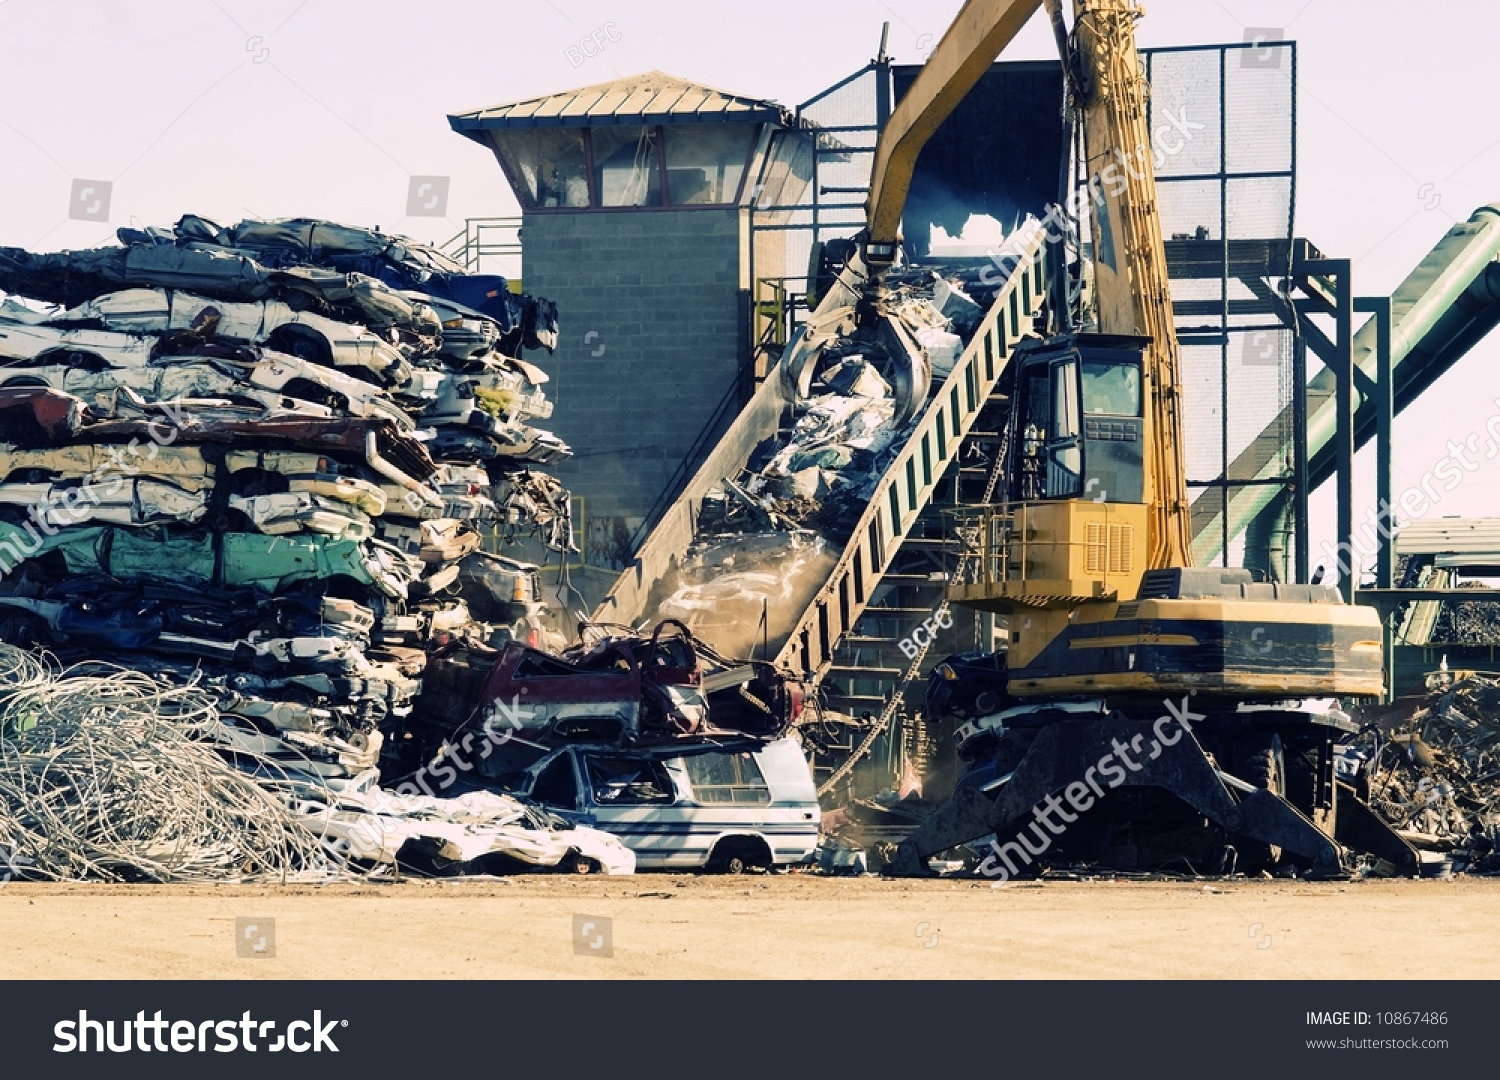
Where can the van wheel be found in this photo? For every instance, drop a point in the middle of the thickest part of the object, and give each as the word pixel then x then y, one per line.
pixel 739 857
pixel 582 864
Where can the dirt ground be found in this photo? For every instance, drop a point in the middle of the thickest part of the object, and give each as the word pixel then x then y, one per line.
pixel 773 926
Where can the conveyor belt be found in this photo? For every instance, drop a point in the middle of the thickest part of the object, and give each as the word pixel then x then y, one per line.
pixel 812 634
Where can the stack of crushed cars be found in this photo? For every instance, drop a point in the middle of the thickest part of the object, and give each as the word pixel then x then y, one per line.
pixel 1432 763
pixel 261 459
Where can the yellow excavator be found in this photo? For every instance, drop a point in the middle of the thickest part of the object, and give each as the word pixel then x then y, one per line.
pixel 1160 712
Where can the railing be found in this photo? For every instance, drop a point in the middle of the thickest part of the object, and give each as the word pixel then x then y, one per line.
pixel 486 237
pixel 1041 553
pixel 977 545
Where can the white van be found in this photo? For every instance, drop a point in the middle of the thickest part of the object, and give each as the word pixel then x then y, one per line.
pixel 726 810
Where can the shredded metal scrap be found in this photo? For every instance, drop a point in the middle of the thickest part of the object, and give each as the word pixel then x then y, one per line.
pixel 1435 776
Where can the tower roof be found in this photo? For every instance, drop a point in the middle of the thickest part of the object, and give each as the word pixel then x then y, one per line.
pixel 653 97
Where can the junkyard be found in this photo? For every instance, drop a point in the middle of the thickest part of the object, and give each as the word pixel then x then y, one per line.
pixel 960 525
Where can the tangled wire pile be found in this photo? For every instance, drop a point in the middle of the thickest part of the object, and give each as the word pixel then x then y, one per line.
pixel 111 775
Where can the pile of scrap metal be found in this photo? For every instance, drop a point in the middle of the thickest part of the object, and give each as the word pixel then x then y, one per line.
pixel 261 459
pixel 111 775
pixel 1433 766
pixel 615 687
pixel 764 539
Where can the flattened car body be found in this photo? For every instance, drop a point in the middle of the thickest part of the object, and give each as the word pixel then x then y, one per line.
pixel 267 322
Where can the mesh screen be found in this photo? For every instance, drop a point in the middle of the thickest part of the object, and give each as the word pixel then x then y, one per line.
pixel 1222 122
pixel 790 217
pixel 1223 137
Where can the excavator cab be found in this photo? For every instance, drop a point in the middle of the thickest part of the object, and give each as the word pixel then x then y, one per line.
pixel 1080 421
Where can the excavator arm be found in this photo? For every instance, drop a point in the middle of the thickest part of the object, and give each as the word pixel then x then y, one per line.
pixel 978 34
pixel 850 306
pixel 1130 261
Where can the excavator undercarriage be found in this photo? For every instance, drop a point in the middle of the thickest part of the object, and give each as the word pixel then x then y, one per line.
pixel 1198 784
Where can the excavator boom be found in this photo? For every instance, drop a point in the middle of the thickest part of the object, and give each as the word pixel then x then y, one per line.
pixel 1130 261
pixel 979 33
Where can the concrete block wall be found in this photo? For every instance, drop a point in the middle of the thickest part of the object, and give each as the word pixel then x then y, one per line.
pixel 649 345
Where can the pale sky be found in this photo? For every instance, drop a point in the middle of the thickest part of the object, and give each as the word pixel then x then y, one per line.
pixel 326 108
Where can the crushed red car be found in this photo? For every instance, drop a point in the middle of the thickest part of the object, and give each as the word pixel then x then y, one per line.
pixel 621 687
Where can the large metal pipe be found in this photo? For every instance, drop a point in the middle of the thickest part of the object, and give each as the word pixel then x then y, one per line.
pixel 1449 301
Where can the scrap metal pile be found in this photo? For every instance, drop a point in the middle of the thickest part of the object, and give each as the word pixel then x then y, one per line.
pixel 113 775
pixel 615 687
pixel 765 539
pixel 1464 622
pixel 259 461
pixel 1434 770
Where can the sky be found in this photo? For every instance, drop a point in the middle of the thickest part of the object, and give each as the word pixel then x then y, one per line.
pixel 328 108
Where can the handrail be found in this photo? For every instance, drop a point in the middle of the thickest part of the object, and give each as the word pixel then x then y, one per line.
pixel 469 245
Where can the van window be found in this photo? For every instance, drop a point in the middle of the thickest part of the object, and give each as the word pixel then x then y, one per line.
pixel 628 781
pixel 557 786
pixel 726 778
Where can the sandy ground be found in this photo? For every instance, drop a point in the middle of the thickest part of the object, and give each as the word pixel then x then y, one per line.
pixel 774 926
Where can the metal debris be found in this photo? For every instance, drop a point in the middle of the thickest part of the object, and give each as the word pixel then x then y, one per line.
pixel 112 775
pixel 1434 768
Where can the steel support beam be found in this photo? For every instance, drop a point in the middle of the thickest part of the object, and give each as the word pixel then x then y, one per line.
pixel 1299 454
pixel 1380 393
pixel 1340 360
